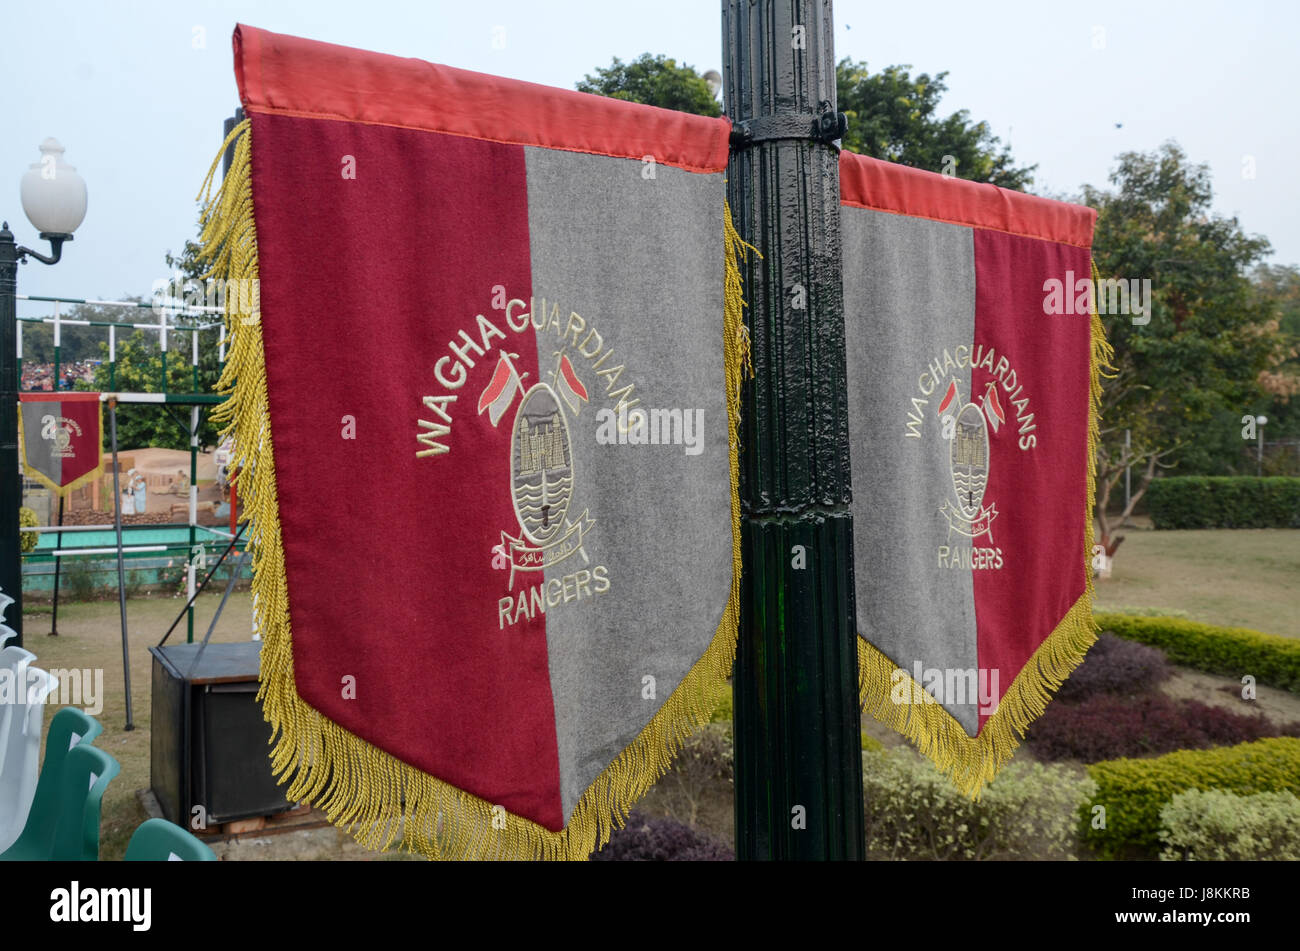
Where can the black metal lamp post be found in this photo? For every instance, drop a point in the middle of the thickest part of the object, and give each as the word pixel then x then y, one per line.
pixel 54 198
pixel 798 742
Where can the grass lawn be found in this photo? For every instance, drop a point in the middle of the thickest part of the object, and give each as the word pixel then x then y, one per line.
pixel 1240 578
pixel 90 636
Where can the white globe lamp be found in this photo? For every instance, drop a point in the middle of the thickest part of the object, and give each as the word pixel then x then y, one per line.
pixel 53 194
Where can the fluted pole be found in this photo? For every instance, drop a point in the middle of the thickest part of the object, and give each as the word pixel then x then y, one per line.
pixel 798 763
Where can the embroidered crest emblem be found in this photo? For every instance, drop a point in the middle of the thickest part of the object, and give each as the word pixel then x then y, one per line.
pixel 541 465
pixel 967 432
pixel 60 430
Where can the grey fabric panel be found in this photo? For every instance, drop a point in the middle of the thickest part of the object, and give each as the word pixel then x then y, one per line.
pixel 654 292
pixel 40 452
pixel 909 293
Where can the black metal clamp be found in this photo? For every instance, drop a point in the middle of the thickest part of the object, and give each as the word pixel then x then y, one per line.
pixel 824 125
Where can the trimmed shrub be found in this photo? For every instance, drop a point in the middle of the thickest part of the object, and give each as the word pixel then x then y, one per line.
pixel 870 744
pixel 697 789
pixel 707 754
pixel 644 839
pixel 724 711
pixel 1108 726
pixel 81 582
pixel 27 541
pixel 1114 665
pixel 1218 826
pixel 913 811
pixel 1133 791
pixel 1225 502
pixel 1143 611
pixel 1231 651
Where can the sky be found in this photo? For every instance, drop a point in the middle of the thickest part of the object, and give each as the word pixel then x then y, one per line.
pixel 136 92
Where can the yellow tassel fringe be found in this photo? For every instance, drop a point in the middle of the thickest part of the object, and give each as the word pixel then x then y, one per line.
pixel 360 787
pixel 974 761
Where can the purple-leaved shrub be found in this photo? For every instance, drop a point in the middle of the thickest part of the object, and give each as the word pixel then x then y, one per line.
pixel 646 839
pixel 1109 726
pixel 1114 665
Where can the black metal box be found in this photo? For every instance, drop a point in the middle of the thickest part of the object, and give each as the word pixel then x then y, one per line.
pixel 209 743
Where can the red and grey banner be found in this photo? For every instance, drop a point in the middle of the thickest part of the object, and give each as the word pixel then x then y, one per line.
pixel 969 416
pixel 61 438
pixel 491 316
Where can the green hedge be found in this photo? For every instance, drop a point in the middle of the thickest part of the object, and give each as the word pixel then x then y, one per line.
pixel 28 541
pixel 1225 502
pixel 1134 791
pixel 723 712
pixel 1218 826
pixel 1232 651
pixel 914 812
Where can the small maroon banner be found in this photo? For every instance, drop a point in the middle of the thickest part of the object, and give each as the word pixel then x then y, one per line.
pixel 61 435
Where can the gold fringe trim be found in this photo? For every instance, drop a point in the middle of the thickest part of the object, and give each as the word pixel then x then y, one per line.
pixel 360 787
pixel 972 762
pixel 61 490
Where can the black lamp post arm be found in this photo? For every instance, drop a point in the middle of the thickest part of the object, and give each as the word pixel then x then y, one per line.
pixel 56 240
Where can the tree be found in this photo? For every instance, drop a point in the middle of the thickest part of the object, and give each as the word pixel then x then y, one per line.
pixel 891 115
pixel 1198 360
pixel 894 116
pixel 139 370
pixel 77 343
pixel 655 81
pixel 1281 285
pixel 1281 380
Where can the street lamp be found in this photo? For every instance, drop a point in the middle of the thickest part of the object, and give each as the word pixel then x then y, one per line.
pixel 54 199
pixel 713 79
pixel 1259 439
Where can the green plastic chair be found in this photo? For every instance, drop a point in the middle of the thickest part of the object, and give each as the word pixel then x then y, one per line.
pixel 68 727
pixel 86 773
pixel 157 840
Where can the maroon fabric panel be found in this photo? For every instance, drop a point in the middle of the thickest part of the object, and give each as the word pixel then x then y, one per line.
pixel 365 281
pixel 1039 491
pixel 85 450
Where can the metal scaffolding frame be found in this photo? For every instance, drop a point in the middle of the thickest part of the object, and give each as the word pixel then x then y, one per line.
pixel 165 308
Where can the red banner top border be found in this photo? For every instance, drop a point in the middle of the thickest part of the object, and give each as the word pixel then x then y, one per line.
pixel 901 190
pixel 77 396
pixel 289 75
